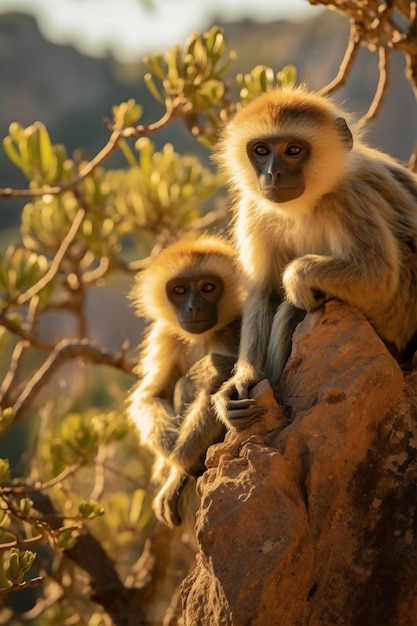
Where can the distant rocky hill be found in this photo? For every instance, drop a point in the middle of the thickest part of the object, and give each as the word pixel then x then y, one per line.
pixel 72 93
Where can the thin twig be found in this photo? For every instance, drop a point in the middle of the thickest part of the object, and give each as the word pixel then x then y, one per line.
pixel 33 582
pixel 347 62
pixel 94 275
pixel 132 267
pixel 411 73
pixel 16 360
pixel 41 486
pixel 382 87
pixel 57 260
pixel 87 170
pixel 24 333
pixel 110 147
pixel 28 541
pixel 138 483
pixel 13 371
pixel 65 350
pixel 211 217
pixel 99 473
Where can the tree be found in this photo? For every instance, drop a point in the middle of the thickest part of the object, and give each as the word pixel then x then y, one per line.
pixel 83 225
pixel 79 512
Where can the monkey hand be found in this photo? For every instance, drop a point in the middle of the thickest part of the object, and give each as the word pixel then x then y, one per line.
pixel 243 413
pixel 233 405
pixel 298 282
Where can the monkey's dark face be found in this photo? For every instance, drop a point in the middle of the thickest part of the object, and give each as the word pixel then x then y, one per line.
pixel 196 299
pixel 279 163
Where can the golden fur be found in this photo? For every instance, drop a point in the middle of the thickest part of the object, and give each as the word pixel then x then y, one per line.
pixel 171 406
pixel 351 235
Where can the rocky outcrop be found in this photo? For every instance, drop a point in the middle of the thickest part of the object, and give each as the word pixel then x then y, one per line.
pixel 309 517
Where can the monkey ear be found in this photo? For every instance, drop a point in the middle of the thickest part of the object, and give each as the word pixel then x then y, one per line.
pixel 344 132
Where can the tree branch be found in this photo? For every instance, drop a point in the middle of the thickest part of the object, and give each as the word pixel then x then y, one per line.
pixel 125 606
pixel 16 360
pixel 33 582
pixel 347 63
pixel 64 351
pixel 57 260
pixel 24 333
pixel 382 87
pixel 24 488
pixel 111 146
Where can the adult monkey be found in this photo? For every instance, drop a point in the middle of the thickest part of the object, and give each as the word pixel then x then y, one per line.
pixel 192 295
pixel 318 215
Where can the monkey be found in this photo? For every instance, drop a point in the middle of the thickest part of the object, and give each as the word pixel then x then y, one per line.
pixel 191 296
pixel 176 501
pixel 317 214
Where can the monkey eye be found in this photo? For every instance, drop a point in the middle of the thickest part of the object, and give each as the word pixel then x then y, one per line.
pixel 261 149
pixel 293 149
pixel 179 290
pixel 208 287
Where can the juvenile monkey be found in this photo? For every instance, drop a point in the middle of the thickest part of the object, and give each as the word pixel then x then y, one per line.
pixel 317 215
pixel 192 297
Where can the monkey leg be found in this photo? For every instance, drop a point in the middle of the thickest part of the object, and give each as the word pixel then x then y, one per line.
pixel 211 371
pixel 200 430
pixel 184 394
pixel 200 427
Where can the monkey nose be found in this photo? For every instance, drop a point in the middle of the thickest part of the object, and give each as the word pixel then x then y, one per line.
pixel 192 304
pixel 273 173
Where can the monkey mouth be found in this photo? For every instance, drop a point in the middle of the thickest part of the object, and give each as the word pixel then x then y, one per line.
pixel 196 327
pixel 282 194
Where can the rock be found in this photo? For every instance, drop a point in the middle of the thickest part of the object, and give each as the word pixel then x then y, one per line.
pixel 309 517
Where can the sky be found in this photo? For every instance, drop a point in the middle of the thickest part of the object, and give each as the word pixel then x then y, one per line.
pixel 129 28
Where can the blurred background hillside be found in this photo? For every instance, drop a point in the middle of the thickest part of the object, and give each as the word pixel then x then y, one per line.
pixel 66 63
pixel 73 93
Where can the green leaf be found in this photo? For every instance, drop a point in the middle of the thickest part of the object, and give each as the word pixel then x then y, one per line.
pixel 19 564
pixel 45 150
pixel 12 152
pixel 89 509
pixel 4 471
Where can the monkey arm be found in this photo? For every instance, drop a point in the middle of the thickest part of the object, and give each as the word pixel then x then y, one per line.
pixel 361 265
pixel 151 403
pixel 200 427
pixel 232 403
pixel 155 421
pixel 243 412
pixel 312 279
pixel 199 430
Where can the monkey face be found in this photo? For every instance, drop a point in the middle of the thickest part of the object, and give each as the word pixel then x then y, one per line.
pixel 195 299
pixel 278 163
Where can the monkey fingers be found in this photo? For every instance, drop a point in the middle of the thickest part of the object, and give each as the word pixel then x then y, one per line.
pixel 243 413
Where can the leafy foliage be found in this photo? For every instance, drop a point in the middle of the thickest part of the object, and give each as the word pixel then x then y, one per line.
pixel 85 478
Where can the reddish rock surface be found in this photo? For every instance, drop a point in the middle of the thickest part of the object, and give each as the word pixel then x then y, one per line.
pixel 308 518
